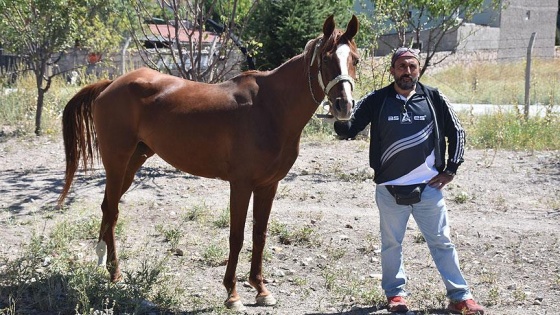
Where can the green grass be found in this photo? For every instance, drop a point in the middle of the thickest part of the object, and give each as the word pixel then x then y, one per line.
pixel 509 130
pixel 198 213
pixel 305 235
pixel 216 254
pixel 348 288
pixel 50 277
pixel 498 83
pixel 172 235
pixel 17 107
pixel 222 221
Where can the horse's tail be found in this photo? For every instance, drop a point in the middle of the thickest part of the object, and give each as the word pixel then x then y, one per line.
pixel 78 132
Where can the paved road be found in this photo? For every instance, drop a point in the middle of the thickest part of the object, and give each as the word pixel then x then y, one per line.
pixel 488 108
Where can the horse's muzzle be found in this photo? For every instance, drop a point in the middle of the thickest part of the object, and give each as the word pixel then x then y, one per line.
pixel 342 109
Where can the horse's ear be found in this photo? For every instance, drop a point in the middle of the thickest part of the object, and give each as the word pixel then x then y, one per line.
pixel 352 28
pixel 328 26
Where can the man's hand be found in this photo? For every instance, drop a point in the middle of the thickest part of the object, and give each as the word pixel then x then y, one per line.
pixel 341 127
pixel 440 180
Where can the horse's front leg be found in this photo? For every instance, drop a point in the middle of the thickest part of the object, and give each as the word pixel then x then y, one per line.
pixel 262 205
pixel 240 194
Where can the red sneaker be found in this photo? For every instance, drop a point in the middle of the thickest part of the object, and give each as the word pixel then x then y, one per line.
pixel 396 304
pixel 466 307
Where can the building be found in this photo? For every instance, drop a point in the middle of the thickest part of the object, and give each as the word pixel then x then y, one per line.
pixel 505 31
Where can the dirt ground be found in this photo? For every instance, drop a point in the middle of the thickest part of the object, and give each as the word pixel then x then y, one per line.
pixel 504 210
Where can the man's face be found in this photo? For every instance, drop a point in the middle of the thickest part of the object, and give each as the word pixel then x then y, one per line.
pixel 406 72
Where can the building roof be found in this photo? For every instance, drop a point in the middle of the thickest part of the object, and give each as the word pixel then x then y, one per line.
pixel 167 33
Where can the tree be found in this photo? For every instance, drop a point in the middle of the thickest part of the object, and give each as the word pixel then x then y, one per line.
pixel 40 31
pixel 283 27
pixel 414 16
pixel 196 40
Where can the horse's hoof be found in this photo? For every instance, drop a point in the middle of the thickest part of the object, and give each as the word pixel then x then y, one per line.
pixel 266 300
pixel 117 278
pixel 235 305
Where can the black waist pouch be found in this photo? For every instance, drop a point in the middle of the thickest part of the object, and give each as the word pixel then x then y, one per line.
pixel 407 195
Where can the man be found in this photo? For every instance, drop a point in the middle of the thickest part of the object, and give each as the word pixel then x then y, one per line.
pixel 409 126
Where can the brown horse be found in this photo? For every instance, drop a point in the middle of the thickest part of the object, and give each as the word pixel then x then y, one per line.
pixel 245 131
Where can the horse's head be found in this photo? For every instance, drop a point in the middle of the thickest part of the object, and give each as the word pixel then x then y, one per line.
pixel 337 57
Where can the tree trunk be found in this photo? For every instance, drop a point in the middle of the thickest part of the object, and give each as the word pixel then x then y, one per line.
pixel 40 98
pixel 39 111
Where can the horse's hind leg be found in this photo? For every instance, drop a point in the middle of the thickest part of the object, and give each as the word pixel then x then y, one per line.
pixel 140 155
pixel 117 178
pixel 262 204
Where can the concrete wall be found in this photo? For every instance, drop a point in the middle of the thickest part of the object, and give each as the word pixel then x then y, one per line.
pixel 473 37
pixel 468 37
pixel 488 16
pixel 519 19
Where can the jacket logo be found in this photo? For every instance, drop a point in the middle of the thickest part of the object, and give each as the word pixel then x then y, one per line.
pixel 405 118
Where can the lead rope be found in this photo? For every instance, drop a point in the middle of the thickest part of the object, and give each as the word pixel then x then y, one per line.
pixel 319 74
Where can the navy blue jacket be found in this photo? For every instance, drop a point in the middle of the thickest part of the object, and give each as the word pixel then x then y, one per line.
pixel 447 126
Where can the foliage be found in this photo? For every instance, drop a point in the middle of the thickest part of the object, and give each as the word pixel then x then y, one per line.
pixel 40 31
pixel 225 11
pixel 185 48
pixel 284 27
pixel 411 17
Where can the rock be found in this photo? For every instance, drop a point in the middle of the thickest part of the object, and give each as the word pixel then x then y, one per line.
pixel 47 261
pixel 537 302
pixel 539 298
pixel 376 276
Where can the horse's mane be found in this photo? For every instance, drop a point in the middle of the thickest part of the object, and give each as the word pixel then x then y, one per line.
pixel 307 54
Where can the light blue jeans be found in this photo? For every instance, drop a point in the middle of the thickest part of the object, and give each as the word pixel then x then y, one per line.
pixel 431 216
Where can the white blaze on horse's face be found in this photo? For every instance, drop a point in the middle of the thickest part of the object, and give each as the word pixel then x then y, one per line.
pixel 343 105
pixel 343 53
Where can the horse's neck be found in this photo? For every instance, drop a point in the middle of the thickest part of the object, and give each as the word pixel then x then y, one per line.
pixel 290 84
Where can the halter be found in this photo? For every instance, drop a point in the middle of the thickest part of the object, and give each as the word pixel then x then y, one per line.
pixel 332 83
